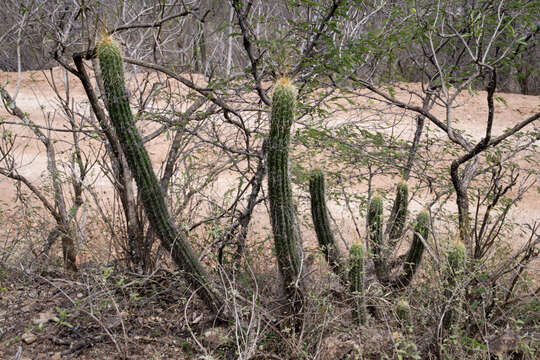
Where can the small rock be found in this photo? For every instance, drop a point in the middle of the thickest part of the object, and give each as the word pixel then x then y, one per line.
pixel 80 295
pixel 43 318
pixel 29 338
pixel 56 356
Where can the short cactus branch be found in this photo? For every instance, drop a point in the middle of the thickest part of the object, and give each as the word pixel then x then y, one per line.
pixel 319 214
pixel 398 216
pixel 414 255
pixel 356 280
pixel 376 237
pixel 110 61
pixel 287 241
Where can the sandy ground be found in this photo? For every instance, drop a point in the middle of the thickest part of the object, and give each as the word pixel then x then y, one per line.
pixel 37 98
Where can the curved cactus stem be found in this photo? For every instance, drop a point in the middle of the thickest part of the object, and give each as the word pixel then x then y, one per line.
pixel 376 238
pixel 398 216
pixel 110 61
pixel 287 241
pixel 356 280
pixel 319 214
pixel 414 255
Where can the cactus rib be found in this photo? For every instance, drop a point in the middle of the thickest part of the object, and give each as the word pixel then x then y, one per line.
pixel 375 236
pixel 287 241
pixel 319 214
pixel 356 280
pixel 414 255
pixel 110 60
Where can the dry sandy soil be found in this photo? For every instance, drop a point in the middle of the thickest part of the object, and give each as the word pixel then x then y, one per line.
pixel 36 97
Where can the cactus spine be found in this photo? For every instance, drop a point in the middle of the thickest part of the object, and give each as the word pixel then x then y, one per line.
pixel 414 256
pixel 375 236
pixel 356 280
pixel 110 61
pixel 285 229
pixel 325 236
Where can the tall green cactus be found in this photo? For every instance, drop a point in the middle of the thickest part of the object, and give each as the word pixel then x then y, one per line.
pixel 376 236
pixel 414 256
pixel 110 61
pixel 356 280
pixel 319 214
pixel 287 241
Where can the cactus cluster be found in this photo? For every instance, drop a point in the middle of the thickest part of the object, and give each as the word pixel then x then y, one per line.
pixel 117 103
pixel 287 241
pixel 382 243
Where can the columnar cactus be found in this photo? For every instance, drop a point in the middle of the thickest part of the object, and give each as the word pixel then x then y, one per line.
pixel 398 216
pixel 414 256
pixel 356 280
pixel 110 61
pixel 376 236
pixel 325 236
pixel 287 241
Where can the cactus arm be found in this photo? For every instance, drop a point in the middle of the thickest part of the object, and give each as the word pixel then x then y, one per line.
pixel 414 255
pixel 110 61
pixel 398 216
pixel 287 242
pixel 319 214
pixel 376 238
pixel 356 280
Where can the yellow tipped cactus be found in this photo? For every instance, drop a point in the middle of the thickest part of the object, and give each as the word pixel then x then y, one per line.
pixel 287 241
pixel 117 102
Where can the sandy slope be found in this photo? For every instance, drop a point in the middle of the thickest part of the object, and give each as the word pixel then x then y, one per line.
pixel 37 98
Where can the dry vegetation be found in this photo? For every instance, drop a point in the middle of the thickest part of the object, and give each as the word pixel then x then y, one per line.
pixel 383 96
